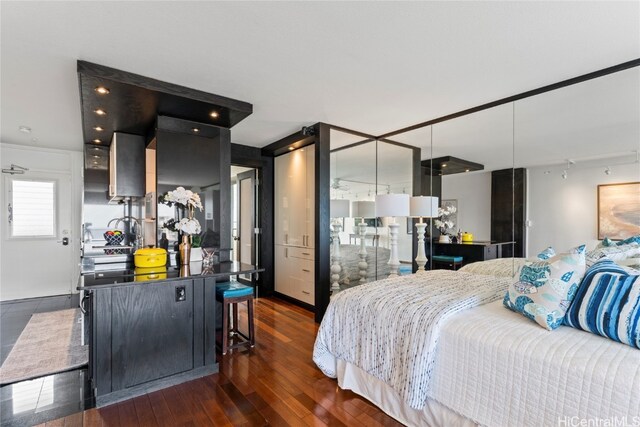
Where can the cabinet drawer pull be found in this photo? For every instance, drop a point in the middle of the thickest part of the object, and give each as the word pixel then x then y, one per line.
pixel 305 292
pixel 286 238
pixel 308 271
pixel 306 253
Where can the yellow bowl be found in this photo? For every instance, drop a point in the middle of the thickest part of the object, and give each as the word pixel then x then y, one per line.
pixel 142 274
pixel 467 237
pixel 150 257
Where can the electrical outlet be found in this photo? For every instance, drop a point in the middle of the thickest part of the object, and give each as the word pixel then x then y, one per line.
pixel 181 294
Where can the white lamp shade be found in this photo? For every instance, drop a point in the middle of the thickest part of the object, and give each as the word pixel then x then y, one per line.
pixel 339 208
pixel 392 205
pixel 363 209
pixel 424 206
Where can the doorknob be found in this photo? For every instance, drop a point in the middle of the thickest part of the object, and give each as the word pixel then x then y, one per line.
pixel 64 241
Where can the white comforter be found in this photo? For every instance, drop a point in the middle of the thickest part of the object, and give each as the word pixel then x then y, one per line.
pixel 390 328
pixel 498 368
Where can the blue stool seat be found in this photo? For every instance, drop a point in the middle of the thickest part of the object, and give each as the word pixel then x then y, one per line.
pixel 230 294
pixel 232 290
pixel 447 258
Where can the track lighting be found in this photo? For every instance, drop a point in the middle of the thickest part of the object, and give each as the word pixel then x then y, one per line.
pixel 565 175
pixel 607 171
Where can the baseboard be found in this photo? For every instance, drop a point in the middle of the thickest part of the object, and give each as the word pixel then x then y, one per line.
pixel 294 301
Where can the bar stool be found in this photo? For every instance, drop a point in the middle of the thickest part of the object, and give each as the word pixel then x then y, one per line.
pixel 232 293
pixel 447 262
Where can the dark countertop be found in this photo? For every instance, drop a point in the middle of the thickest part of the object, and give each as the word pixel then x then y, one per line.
pixel 137 276
pixel 475 242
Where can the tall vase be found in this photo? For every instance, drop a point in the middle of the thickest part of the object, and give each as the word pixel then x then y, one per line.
pixel 185 250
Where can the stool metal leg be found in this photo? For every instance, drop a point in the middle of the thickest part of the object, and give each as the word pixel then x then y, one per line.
pixel 225 326
pixel 252 336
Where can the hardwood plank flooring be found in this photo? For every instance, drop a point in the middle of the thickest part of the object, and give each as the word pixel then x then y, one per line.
pixel 274 384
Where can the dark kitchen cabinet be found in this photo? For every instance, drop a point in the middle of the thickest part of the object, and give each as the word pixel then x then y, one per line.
pixel 143 339
pixel 152 332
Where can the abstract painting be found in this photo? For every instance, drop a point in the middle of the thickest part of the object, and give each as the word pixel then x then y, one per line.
pixel 618 210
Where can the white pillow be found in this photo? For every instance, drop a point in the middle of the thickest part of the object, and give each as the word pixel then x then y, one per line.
pixel 614 253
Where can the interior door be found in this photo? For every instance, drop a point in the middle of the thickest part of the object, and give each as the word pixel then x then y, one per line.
pixel 37 250
pixel 247 213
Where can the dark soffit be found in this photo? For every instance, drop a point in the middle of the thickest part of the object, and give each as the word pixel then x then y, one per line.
pixel 134 102
pixel 449 165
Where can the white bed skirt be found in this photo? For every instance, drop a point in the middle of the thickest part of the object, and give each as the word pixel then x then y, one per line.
pixel 434 414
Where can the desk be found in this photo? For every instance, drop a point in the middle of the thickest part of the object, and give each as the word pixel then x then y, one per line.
pixel 472 251
pixel 375 239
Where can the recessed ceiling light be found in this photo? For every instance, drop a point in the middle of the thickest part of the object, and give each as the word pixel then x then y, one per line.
pixel 97 141
pixel 291 148
pixel 102 90
pixel 100 112
pixel 214 114
pixel 444 165
pixel 98 128
pixel 95 163
pixel 195 130
pixel 96 157
pixel 466 170
pixel 96 149
pixel 34 139
pixel 24 129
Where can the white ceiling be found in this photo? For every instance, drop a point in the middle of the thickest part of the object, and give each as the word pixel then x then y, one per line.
pixel 369 66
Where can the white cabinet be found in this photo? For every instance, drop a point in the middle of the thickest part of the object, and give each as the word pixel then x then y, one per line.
pixel 295 198
pixel 295 273
pixel 295 224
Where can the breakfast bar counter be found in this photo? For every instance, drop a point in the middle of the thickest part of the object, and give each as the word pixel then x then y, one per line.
pixel 148 330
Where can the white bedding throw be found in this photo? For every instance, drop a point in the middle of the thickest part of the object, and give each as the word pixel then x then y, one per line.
pixel 498 368
pixel 390 328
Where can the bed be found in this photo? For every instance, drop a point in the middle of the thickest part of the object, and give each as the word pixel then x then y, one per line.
pixel 438 348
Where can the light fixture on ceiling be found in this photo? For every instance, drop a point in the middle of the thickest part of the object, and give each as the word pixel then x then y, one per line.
pixel 98 128
pixel 444 165
pixel 607 171
pixel 34 139
pixel 214 114
pixel 547 172
pixel 24 129
pixel 96 157
pixel 195 130
pixel 96 149
pixel 565 175
pixel 97 141
pixel 102 90
pixel 466 170
pixel 100 112
pixel 291 148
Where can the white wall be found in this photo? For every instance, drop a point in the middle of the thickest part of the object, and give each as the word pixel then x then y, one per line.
pixel 563 212
pixel 15 277
pixel 473 193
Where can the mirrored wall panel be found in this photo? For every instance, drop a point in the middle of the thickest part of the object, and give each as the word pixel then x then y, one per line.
pixel 579 145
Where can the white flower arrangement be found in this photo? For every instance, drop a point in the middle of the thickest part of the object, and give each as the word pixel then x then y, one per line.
pixel 183 198
pixel 188 200
pixel 188 226
pixel 442 223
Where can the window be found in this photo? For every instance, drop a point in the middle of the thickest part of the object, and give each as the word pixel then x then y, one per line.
pixel 32 208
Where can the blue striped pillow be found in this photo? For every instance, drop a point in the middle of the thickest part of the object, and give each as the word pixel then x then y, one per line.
pixel 632 239
pixel 608 303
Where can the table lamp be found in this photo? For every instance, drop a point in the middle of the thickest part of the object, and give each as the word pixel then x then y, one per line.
pixel 363 209
pixel 422 207
pixel 393 205
pixel 338 208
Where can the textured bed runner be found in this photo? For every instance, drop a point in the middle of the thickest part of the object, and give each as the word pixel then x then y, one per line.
pixel 390 328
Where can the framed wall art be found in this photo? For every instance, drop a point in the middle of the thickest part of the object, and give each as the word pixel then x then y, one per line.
pixel 618 210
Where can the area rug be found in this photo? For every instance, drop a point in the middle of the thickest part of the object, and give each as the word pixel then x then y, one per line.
pixel 50 343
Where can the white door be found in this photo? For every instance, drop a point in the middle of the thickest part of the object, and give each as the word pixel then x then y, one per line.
pixel 37 235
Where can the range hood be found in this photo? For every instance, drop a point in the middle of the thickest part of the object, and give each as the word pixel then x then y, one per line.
pixel 126 167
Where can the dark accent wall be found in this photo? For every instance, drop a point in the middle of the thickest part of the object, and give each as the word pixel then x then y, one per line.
pixel 508 209
pixel 203 163
pixel 242 155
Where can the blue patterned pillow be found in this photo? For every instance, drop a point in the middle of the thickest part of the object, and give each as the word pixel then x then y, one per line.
pixel 608 304
pixel 546 288
pixel 547 253
pixel 632 239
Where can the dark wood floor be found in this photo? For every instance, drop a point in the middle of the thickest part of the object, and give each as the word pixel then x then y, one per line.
pixel 275 384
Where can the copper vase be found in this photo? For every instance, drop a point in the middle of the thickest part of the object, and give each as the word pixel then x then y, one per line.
pixel 185 250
